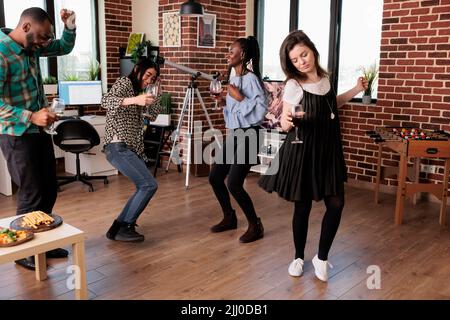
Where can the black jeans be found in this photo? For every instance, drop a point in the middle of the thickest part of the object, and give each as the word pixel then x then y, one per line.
pixel 236 166
pixel 32 166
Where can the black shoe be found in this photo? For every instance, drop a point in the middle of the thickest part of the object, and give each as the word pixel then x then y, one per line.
pixel 229 222
pixel 27 263
pixel 57 253
pixel 127 233
pixel 111 233
pixel 254 232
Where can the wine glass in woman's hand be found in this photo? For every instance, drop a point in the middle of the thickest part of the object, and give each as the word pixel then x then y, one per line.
pixel 216 90
pixel 153 89
pixel 298 113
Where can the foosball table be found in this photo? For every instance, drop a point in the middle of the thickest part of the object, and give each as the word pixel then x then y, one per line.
pixel 414 143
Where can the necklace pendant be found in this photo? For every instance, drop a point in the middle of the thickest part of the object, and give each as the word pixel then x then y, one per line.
pixel 332 116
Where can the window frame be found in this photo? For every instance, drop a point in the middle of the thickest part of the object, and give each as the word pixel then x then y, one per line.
pixel 334 41
pixel 53 61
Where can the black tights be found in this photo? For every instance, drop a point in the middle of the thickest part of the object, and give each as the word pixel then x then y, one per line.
pixel 236 169
pixel 330 224
pixel 236 175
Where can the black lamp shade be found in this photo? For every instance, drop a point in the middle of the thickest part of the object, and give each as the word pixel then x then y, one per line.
pixel 191 8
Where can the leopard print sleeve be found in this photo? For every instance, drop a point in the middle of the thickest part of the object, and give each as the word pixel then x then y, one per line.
pixel 120 90
pixel 154 109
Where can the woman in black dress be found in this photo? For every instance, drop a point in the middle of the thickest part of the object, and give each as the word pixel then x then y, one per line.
pixel 313 169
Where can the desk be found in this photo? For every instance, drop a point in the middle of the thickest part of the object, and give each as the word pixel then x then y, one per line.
pixel 42 242
pixel 437 145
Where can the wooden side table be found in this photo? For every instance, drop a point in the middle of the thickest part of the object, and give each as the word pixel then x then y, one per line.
pixel 42 242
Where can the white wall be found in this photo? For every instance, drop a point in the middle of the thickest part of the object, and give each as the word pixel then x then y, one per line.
pixel 145 19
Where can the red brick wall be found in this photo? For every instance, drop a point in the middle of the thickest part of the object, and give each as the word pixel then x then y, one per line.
pixel 118 17
pixel 414 84
pixel 230 25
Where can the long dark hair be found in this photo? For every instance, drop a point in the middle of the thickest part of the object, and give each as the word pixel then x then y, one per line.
pixel 250 50
pixel 294 38
pixel 138 72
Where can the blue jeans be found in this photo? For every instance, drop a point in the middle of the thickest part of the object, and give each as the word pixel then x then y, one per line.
pixel 130 165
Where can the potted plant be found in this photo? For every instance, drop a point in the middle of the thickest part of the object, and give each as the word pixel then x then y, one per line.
pixel 139 50
pixel 50 85
pixel 166 107
pixel 370 74
pixel 163 117
pixel 94 70
pixel 71 77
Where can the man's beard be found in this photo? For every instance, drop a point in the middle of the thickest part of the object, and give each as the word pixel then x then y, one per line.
pixel 29 44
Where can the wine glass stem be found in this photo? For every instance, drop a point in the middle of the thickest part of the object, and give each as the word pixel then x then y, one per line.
pixel 296 133
pixel 215 106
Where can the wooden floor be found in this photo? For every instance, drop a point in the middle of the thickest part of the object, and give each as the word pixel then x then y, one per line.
pixel 181 259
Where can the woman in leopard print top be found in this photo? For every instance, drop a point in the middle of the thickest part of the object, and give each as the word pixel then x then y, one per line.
pixel 124 144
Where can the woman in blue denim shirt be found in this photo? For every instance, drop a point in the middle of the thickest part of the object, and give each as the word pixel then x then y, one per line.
pixel 124 143
pixel 246 106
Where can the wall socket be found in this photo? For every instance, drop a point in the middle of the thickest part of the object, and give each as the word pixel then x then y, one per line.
pixel 427 168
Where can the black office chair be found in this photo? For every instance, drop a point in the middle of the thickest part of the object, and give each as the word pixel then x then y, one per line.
pixel 77 136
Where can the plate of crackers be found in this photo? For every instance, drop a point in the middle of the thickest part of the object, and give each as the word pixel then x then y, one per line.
pixel 37 221
pixel 10 237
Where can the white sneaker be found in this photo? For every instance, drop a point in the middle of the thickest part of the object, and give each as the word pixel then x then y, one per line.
pixel 296 268
pixel 321 268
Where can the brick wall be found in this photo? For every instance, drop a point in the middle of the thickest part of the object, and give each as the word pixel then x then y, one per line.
pixel 414 84
pixel 230 25
pixel 118 17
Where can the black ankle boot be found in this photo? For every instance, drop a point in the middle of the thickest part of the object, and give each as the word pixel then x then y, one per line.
pixel 111 234
pixel 229 222
pixel 127 233
pixel 254 232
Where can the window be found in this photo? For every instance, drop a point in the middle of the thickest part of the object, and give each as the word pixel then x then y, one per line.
pixel 76 64
pixel 360 46
pixel 276 23
pixel 84 53
pixel 314 20
pixel 347 34
pixel 14 8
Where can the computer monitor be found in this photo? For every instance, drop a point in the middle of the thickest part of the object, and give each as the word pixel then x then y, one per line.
pixel 80 92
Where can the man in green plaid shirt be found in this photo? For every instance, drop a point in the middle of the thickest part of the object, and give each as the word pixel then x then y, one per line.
pixel 23 110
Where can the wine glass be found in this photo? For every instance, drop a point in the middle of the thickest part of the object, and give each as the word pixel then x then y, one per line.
pixel 216 89
pixel 298 114
pixel 153 89
pixel 58 106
